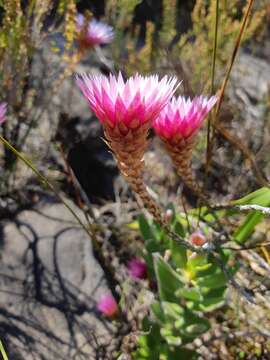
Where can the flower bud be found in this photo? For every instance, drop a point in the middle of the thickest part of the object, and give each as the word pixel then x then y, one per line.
pixel 168 215
pixel 197 239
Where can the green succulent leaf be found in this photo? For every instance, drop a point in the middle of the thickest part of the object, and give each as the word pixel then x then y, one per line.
pixel 179 229
pixel 194 324
pixel 258 197
pixel 212 281
pixel 172 310
pixel 211 304
pixel 172 340
pixel 245 230
pixel 189 293
pixel 145 228
pixel 158 312
pixel 179 254
pixel 168 280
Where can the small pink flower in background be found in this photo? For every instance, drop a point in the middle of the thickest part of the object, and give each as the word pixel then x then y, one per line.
pixel 137 268
pixel 197 239
pixel 107 305
pixel 133 102
pixel 93 32
pixel 3 108
pixel 182 117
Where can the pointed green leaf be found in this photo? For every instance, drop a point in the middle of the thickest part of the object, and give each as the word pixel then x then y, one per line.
pixel 259 197
pixel 172 310
pixel 189 293
pixel 145 228
pixel 168 280
pixel 179 254
pixel 245 230
pixel 212 281
pixel 171 339
pixel 158 311
pixel 179 229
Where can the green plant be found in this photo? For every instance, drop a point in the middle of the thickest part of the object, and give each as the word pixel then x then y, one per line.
pixel 188 286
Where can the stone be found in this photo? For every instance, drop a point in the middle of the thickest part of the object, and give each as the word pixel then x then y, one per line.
pixel 50 283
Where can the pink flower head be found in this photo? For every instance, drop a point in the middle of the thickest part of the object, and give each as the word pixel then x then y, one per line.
pixel 197 239
pixel 107 305
pixel 137 268
pixel 93 32
pixel 3 108
pixel 133 102
pixel 182 117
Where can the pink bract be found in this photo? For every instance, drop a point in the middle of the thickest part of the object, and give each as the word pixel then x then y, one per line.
pixel 93 32
pixel 137 268
pixel 3 108
pixel 107 305
pixel 134 102
pixel 183 117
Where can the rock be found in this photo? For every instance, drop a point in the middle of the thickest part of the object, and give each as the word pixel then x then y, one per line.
pixel 50 283
pixel 250 86
pixel 248 92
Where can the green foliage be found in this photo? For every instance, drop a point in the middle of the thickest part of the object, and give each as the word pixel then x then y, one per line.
pixel 259 197
pixel 188 285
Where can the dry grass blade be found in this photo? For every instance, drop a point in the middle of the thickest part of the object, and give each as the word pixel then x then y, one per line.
pixel 232 59
pixel 213 68
pixel 225 81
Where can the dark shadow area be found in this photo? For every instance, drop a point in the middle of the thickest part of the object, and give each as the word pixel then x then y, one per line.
pixel 43 314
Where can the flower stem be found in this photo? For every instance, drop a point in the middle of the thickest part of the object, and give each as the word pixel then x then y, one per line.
pixel 213 67
pixel 226 78
pixel 44 181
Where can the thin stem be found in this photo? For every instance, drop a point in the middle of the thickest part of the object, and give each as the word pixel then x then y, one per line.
pixel 44 181
pixel 227 76
pixel 2 351
pixel 213 68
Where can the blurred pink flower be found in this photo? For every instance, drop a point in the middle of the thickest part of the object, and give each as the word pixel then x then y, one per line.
pixel 137 268
pixel 3 108
pixel 93 32
pixel 182 117
pixel 129 103
pixel 107 305
pixel 197 239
